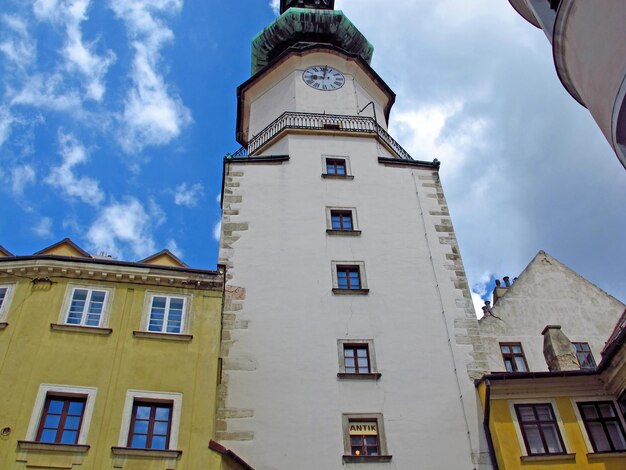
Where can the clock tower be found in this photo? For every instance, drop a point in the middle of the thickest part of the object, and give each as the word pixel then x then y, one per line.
pixel 347 327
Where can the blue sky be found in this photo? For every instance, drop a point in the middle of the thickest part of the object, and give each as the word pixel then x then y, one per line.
pixel 115 116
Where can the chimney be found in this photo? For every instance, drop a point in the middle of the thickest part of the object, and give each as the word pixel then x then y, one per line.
pixel 558 350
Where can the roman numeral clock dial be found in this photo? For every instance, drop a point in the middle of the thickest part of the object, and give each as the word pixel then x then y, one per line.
pixel 323 77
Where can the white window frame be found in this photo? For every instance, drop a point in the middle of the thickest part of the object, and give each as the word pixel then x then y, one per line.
pixel 185 320
pixel 518 428
pixel 337 157
pixel 581 422
pixel 329 221
pixel 106 308
pixel 4 308
pixel 142 395
pixel 62 390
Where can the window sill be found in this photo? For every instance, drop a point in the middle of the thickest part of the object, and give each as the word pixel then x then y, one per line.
pixel 338 291
pixel 94 330
pixel 3 325
pixel 371 376
pixel 153 453
pixel 337 177
pixel 166 336
pixel 548 457
pixel 606 455
pixel 366 458
pixel 32 445
pixel 349 233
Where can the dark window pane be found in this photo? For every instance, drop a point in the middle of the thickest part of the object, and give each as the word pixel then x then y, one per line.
pixel 72 422
pixel 52 421
pixel 143 412
pixel 48 436
pixel 139 441
pixel 69 437
pixel 56 406
pixel 158 442
pixel 141 427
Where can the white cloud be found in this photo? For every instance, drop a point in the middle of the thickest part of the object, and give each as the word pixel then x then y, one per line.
pixel 49 91
pixel 185 195
pixel 63 177
pixel 79 56
pixel 19 48
pixel 153 114
pixel 6 121
pixel 21 176
pixel 122 227
pixel 174 248
pixel 217 230
pixel 425 132
pixel 478 304
pixel 275 5
pixel 43 228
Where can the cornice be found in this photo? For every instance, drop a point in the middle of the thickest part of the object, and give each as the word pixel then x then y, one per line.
pixel 42 270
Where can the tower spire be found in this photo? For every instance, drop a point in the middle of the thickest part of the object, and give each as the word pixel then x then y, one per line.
pixel 313 4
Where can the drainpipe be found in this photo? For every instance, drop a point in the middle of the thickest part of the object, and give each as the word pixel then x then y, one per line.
pixel 492 452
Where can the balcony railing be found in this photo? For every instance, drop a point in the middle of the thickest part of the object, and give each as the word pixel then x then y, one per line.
pixel 328 122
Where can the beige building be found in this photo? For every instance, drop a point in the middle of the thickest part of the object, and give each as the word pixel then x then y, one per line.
pixel 588 38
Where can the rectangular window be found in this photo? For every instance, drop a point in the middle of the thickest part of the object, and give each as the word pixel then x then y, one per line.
pixel 336 167
pixel 356 359
pixel 3 294
pixel 61 419
pixel 603 426
pixel 540 429
pixel 166 314
pixel 150 425
pixel 86 307
pixel 341 220
pixel 348 277
pixel 364 438
pixel 513 356
pixel 5 297
pixel 584 355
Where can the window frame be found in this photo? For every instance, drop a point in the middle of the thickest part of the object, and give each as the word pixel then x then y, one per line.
pixel 367 343
pixel 332 211
pixel 336 158
pixel 69 297
pixel 185 319
pixel 589 441
pixel 575 345
pixel 513 355
pixel 539 424
pixel 151 421
pixel 348 418
pixel 521 439
pixel 88 393
pixel 60 430
pixel 349 265
pixel 132 396
pixel 6 301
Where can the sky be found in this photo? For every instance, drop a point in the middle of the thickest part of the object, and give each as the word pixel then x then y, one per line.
pixel 115 116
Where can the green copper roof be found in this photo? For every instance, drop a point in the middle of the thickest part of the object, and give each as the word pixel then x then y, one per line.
pixel 305 25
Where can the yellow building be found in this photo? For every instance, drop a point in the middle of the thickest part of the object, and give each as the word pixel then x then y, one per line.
pixel 560 419
pixel 107 364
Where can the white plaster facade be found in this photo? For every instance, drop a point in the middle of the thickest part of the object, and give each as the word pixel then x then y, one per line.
pixel 283 401
pixel 588 38
pixel 548 293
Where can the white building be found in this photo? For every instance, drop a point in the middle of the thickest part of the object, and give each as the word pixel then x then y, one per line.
pixel 349 332
pixel 588 38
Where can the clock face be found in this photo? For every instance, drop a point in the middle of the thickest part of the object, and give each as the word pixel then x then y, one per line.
pixel 323 77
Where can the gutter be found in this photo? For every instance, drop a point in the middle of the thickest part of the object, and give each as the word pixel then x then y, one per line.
pixel 487 418
pixel 220 449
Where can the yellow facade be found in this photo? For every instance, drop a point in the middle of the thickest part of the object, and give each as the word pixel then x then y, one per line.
pixel 112 360
pixel 506 438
